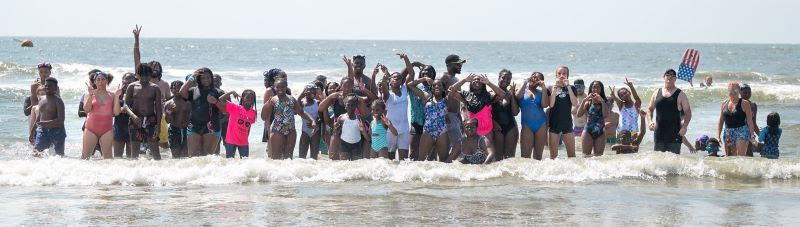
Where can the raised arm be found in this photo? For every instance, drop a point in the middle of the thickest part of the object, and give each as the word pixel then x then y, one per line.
pixel 497 91
pixel 384 87
pixel 512 101
pixel 184 93
pixel 642 129
pixel 453 92
pixel 584 106
pixel 545 97
pixel 330 100
pixel 222 102
pixel 412 86
pixel 136 55
pixel 615 98
pixel 519 95
pixel 349 63
pixel 637 101
pixel 409 70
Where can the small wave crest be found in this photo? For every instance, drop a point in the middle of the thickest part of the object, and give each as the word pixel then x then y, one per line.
pixel 218 171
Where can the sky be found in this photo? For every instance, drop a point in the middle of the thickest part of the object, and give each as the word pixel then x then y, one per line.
pixel 679 21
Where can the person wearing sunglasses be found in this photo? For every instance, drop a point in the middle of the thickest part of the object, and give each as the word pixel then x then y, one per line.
pixel 667 103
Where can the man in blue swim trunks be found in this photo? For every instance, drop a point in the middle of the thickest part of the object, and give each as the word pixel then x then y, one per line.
pixel 50 122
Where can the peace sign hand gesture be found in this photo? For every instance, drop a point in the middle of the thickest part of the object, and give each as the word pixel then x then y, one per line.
pixel 136 30
pixel 347 60
pixel 90 90
pixel 628 82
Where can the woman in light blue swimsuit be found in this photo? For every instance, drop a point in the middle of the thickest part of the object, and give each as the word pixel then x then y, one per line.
pixel 532 102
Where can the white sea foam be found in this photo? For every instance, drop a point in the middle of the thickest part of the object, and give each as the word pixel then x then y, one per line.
pixel 216 170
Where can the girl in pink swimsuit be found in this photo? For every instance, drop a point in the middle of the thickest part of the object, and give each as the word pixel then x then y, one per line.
pixel 101 106
pixel 478 101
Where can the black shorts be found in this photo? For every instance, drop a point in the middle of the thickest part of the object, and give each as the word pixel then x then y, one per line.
pixel 177 137
pixel 120 128
pixel 671 147
pixel 350 147
pixel 417 129
pixel 561 128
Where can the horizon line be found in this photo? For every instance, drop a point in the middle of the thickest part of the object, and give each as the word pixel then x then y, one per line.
pixel 410 40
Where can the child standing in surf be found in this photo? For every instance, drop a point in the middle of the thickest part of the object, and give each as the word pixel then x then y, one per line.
pixel 242 116
pixel 50 122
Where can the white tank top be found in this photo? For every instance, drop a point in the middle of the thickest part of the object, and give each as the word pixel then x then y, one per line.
pixel 397 110
pixel 350 131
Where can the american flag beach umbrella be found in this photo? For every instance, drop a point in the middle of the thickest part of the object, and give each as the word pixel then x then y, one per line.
pixel 691 59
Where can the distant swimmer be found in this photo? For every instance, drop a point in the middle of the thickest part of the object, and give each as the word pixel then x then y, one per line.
pixel 25 43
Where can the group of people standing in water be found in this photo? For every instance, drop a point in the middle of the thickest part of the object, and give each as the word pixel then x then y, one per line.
pixel 364 116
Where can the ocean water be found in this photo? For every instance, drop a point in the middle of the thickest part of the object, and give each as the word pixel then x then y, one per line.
pixel 648 188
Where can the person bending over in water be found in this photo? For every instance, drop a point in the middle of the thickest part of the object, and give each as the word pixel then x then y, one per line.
pixel 770 136
pixel 100 106
pixel 143 99
pixel 593 140
pixel 628 141
pixel 242 116
pixel 50 121
pixel 283 135
pixel 177 111
pixel 475 148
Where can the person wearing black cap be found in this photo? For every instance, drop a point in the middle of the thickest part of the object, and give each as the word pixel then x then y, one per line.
pixel 668 103
pixel 453 63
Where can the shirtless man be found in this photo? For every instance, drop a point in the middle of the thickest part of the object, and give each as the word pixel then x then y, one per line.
pixel 157 74
pixel 454 64
pixel 37 90
pixel 143 99
pixel 176 111
pixel 50 122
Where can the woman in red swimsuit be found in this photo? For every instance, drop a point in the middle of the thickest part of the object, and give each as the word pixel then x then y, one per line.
pixel 101 106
